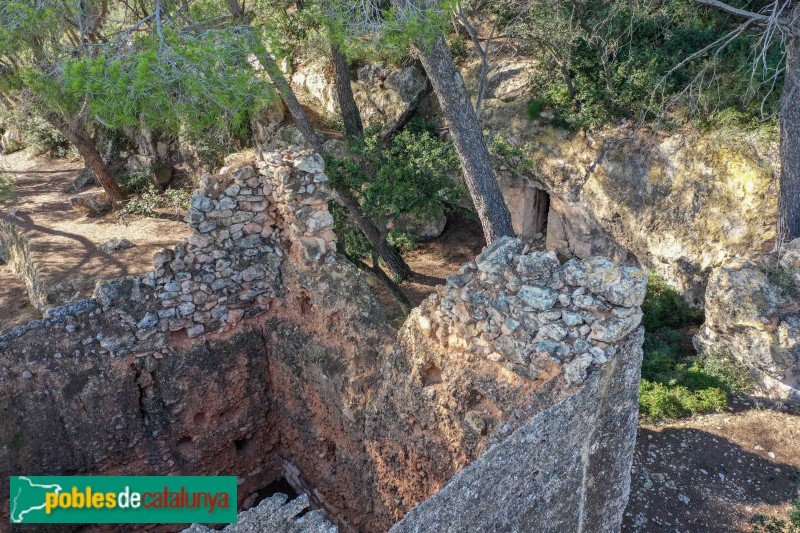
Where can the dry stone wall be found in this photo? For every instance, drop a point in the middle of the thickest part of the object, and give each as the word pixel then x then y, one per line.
pixel 523 309
pixel 509 368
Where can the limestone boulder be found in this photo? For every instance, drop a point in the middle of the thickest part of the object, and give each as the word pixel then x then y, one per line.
pixel 758 322
pixel 91 203
pixel 114 245
pixel 12 141
pixel 384 94
pixel 159 171
pixel 426 228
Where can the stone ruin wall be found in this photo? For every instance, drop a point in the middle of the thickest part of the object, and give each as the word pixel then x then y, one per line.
pixel 254 350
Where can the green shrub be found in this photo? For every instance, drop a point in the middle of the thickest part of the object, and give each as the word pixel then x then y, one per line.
pixel 762 523
pixel 403 241
pixel 535 108
pixel 784 280
pixel 675 384
pixel 40 136
pixel 724 367
pixel 354 245
pixel 136 183
pixel 664 307
pixel 349 239
pixel 411 174
pixel 459 48
pixel 659 401
pixel 6 188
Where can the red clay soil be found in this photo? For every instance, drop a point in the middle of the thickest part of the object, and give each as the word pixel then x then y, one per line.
pixel 64 242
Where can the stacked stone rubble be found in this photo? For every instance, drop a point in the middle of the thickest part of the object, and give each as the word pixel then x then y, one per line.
pixel 526 310
pixel 301 194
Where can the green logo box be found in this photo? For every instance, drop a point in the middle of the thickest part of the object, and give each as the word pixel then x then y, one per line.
pixel 122 499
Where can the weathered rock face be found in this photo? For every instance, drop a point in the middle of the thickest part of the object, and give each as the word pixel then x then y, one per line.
pixel 12 140
pixel 254 350
pixel 383 93
pixel 679 205
pixel 588 480
pixel 757 321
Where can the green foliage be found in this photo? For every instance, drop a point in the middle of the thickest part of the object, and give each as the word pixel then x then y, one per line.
pixel 664 307
pixel 408 175
pixel 643 41
pixel 136 183
pixel 675 385
pixel 40 136
pixel 349 239
pixel 721 365
pixel 761 523
pixel 403 241
pixel 152 202
pixel 658 401
pixel 498 145
pixel 6 189
pixel 784 280
pixel 195 85
pixel 535 107
pixel 459 47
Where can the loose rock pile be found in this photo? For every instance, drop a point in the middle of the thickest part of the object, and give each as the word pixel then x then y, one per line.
pixel 301 193
pixel 527 310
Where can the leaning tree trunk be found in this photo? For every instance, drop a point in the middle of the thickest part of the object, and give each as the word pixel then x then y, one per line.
pixel 383 249
pixel 468 138
pixel 789 197
pixel 344 92
pixel 388 254
pixel 277 78
pixel 91 157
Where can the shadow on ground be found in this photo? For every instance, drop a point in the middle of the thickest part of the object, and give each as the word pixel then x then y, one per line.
pixel 688 479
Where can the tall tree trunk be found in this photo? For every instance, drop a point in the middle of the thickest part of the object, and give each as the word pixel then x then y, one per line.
pixel 277 78
pixel 607 75
pixel 789 197
pixel 468 138
pixel 388 254
pixel 91 157
pixel 347 104
pixel 394 261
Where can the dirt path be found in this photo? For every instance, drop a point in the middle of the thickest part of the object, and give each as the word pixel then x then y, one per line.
pixel 64 242
pixel 461 241
pixel 15 307
pixel 713 473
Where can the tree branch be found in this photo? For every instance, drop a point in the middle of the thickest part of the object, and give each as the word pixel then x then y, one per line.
pixel 734 10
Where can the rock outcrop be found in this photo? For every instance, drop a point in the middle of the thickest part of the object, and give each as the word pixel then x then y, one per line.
pixel 679 205
pixel 384 94
pixel 752 312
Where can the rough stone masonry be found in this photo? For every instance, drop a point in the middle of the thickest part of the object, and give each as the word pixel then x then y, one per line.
pixel 506 402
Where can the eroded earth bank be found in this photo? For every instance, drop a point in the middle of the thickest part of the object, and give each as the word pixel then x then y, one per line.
pixel 506 401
